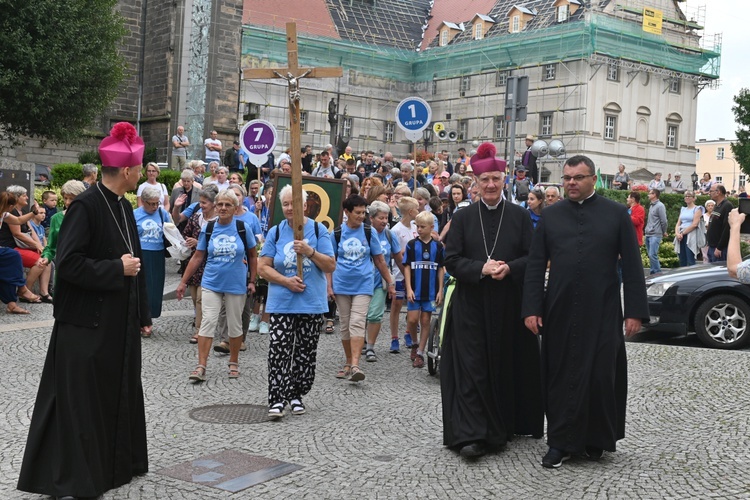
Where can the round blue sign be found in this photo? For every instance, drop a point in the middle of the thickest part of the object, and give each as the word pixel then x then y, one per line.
pixel 258 138
pixel 413 114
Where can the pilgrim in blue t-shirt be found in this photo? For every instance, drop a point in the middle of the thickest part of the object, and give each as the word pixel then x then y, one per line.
pixel 312 300
pixel 190 210
pixel 226 268
pixel 354 268
pixel 389 248
pixel 150 228
pixel 251 220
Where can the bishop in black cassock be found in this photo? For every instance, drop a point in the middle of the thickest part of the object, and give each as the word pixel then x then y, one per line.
pixel 583 347
pixel 88 430
pixel 490 378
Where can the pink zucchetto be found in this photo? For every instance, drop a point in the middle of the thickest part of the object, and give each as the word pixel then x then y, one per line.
pixel 485 160
pixel 123 148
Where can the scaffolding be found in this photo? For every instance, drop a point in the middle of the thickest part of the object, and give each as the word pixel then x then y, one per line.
pixel 599 35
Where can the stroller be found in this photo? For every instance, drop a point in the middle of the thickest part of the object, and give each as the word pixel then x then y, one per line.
pixel 437 326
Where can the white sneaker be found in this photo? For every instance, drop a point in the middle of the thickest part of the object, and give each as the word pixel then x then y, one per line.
pixel 264 328
pixel 254 323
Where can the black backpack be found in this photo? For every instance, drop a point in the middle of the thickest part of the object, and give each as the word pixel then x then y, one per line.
pixel 368 235
pixel 276 235
pixel 240 229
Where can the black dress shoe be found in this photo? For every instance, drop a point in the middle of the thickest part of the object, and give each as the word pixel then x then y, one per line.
pixel 473 450
pixel 594 453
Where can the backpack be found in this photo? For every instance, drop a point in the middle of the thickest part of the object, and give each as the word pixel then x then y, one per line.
pixel 276 236
pixel 240 229
pixel 368 235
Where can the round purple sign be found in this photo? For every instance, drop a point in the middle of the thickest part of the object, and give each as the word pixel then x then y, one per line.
pixel 258 138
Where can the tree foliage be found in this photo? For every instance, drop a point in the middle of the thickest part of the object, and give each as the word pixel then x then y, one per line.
pixel 741 148
pixel 59 66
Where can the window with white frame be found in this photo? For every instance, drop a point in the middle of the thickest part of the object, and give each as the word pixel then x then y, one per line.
pixel 463 130
pixel 697 154
pixel 444 38
pixel 347 127
pixel 303 121
pixel 465 85
pixel 515 24
pixel 549 71
pixel 501 79
pixel 610 127
pixel 499 127
pixel 563 12
pixel 674 85
pixel 388 131
pixel 742 180
pixel 613 72
pixel 672 136
pixel 719 153
pixel 545 122
pixel 478 31
pixel 719 179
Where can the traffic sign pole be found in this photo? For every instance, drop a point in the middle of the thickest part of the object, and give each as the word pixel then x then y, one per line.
pixel 413 115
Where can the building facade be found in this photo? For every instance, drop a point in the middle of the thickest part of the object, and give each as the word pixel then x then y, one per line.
pixel 716 158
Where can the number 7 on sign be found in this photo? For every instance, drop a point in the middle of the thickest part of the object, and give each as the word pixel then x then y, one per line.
pixel 259 132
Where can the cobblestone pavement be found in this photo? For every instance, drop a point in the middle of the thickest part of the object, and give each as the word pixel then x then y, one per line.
pixel 687 433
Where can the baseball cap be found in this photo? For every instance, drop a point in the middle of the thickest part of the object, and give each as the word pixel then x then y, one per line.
pixel 445 174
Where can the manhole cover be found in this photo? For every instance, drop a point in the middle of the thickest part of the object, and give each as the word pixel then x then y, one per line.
pixel 230 414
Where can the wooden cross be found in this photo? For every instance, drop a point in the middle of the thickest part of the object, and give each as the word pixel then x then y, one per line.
pixel 293 74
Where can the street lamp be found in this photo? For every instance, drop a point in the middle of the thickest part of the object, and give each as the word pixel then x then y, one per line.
pixel 734 170
pixel 694 178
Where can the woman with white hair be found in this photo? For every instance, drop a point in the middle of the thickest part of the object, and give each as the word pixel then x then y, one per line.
pixel 150 219
pixel 229 249
pixel 152 173
pixel 710 205
pixel 296 305
pixel 379 212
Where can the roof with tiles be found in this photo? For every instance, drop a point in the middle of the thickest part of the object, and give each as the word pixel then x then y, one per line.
pixel 455 13
pixel 313 15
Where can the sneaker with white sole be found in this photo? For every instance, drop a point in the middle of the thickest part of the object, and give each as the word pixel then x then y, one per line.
pixel 395 346
pixel 554 458
pixel 254 323
pixel 264 328
pixel 407 340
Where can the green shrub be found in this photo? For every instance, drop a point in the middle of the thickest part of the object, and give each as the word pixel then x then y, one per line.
pixel 63 172
pixel 89 157
pixel 667 256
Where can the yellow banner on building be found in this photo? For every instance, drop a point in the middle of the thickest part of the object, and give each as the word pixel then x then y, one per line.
pixel 652 20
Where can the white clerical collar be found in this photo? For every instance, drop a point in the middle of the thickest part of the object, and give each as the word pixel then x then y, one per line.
pixel 493 207
pixel 589 196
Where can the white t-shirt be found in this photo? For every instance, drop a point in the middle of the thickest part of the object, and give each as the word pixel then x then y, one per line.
pixel 219 185
pixel 159 186
pixel 210 154
pixel 404 235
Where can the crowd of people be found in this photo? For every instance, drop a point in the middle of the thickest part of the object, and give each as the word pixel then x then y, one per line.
pixel 534 328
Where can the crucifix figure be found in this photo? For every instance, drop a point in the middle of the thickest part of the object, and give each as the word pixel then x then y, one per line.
pixel 292 75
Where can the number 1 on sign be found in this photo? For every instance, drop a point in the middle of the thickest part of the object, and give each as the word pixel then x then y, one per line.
pixel 413 109
pixel 259 131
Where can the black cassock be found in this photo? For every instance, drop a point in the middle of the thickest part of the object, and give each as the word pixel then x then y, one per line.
pixel 584 364
pixel 489 370
pixel 88 431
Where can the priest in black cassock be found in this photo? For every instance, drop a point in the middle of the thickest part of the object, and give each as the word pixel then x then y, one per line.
pixel 580 317
pixel 490 378
pixel 88 430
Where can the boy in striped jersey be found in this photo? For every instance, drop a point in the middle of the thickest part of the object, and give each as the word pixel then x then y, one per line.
pixel 423 276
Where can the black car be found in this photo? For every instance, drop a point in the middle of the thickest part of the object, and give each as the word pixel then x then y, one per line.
pixel 703 299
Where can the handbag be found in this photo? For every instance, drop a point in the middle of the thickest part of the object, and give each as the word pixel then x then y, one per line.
pixel 22 244
pixel 166 241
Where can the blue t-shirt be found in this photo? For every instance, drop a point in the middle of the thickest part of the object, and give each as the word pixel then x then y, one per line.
pixel 389 248
pixel 313 299
pixel 190 210
pixel 39 230
pixel 353 274
pixel 226 267
pixel 150 228
pixel 251 220
pixel 424 260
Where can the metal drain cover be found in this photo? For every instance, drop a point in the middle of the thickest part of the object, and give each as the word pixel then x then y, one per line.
pixel 230 414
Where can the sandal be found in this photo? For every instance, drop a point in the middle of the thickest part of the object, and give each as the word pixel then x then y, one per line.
pixel 344 372
pixel 276 411
pixel 146 332
pixel 234 372
pixel 194 339
pixel 297 407
pixel 30 301
pixel 356 374
pixel 16 309
pixel 329 326
pixel 199 374
pixel 27 296
pixel 47 299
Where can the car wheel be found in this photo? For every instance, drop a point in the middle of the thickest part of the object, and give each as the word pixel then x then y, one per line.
pixel 721 322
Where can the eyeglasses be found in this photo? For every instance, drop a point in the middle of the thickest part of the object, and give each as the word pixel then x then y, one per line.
pixel 577 178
